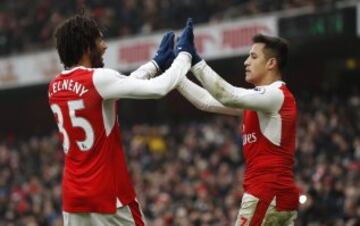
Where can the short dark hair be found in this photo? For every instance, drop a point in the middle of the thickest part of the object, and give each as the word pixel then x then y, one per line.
pixel 274 47
pixel 74 37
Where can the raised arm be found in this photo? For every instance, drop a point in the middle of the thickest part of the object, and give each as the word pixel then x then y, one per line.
pixel 259 99
pixel 202 99
pixel 115 86
pixel 111 85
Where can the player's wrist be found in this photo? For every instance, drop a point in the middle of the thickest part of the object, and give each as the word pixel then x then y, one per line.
pixel 155 64
pixel 198 66
pixel 185 54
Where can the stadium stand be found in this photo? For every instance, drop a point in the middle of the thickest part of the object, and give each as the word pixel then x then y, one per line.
pixel 28 25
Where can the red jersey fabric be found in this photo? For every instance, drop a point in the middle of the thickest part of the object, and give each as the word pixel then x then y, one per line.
pixel 95 177
pixel 269 165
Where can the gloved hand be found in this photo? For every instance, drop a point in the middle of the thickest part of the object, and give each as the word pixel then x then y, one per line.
pixel 186 42
pixel 165 55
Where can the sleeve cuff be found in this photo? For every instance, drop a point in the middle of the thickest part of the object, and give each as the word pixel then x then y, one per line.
pixel 155 64
pixel 184 53
pixel 200 65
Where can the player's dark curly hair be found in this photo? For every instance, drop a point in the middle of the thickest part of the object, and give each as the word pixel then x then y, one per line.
pixel 275 47
pixel 74 37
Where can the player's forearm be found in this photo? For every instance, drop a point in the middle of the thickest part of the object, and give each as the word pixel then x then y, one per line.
pixel 114 87
pixel 237 97
pixel 145 71
pixel 202 99
pixel 173 76
pixel 215 84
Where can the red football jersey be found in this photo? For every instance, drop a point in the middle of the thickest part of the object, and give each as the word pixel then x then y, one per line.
pixel 95 178
pixel 83 100
pixel 268 132
pixel 269 146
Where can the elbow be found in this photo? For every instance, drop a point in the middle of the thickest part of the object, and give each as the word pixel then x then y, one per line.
pixel 226 102
pixel 222 95
pixel 158 95
pixel 224 99
pixel 231 102
pixel 163 92
pixel 201 107
pixel 160 91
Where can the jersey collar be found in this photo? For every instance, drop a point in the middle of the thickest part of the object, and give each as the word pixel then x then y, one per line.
pixel 74 69
pixel 277 83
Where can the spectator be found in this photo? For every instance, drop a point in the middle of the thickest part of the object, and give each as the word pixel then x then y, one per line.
pixel 27 25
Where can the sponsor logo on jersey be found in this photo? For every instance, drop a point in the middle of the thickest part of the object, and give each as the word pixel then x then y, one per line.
pixel 249 138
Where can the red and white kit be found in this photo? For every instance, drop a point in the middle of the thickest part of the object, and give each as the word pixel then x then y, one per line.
pixel 83 100
pixel 268 132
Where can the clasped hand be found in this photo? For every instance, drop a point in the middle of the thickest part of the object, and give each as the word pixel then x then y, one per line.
pixel 167 51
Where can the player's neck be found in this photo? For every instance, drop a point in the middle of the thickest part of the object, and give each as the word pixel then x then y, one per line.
pixel 268 79
pixel 83 62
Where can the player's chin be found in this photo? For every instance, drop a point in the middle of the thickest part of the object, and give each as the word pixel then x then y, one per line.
pixel 248 77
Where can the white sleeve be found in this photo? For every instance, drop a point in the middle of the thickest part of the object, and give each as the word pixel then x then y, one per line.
pixel 267 99
pixel 202 99
pixel 111 85
pixel 146 71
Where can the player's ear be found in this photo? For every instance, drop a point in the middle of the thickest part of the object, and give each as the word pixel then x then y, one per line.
pixel 271 63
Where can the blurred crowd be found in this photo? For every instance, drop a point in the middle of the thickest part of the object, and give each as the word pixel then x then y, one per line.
pixel 190 173
pixel 28 25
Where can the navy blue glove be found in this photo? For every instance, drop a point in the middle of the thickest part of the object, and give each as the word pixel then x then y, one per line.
pixel 165 55
pixel 186 42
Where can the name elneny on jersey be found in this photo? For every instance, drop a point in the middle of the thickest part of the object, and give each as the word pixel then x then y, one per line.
pixel 68 85
pixel 249 138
